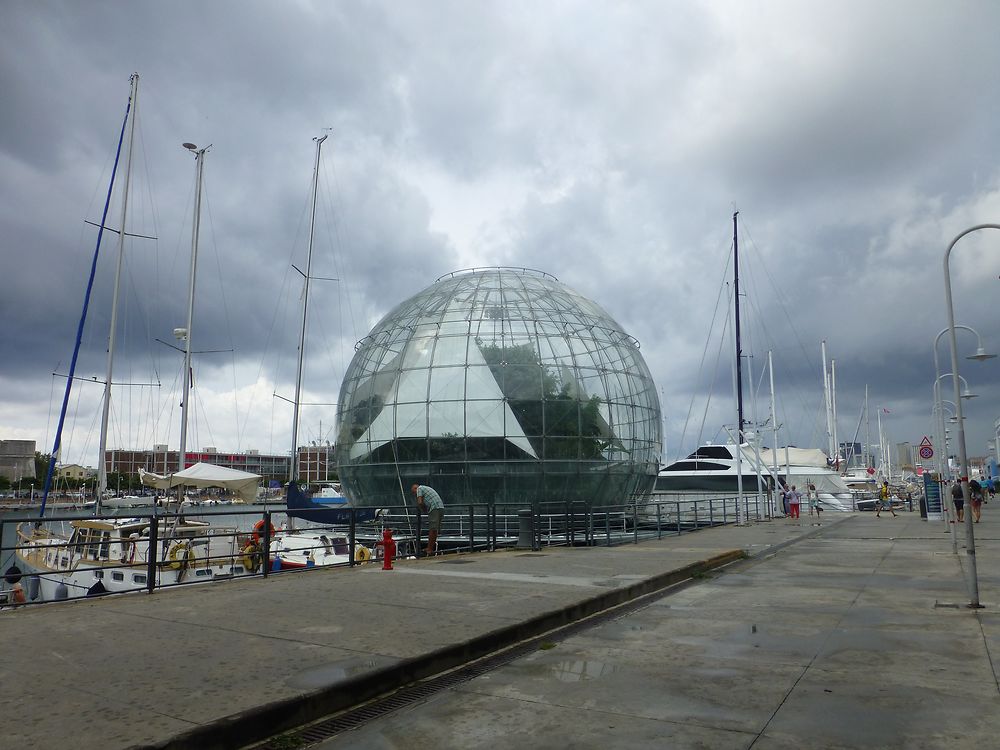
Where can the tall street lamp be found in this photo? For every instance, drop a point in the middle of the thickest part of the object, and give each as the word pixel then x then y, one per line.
pixel 970 545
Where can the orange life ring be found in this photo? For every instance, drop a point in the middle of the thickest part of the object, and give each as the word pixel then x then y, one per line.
pixel 258 530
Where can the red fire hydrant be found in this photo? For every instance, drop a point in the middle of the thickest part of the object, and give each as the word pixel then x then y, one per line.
pixel 388 549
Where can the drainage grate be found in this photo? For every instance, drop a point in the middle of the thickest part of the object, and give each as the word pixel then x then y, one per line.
pixel 461 561
pixel 355 717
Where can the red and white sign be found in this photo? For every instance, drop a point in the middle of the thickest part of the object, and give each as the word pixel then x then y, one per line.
pixel 926 451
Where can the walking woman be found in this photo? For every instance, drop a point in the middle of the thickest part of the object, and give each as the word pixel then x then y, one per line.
pixel 976 497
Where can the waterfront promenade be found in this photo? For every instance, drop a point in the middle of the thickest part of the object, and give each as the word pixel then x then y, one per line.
pixel 852 634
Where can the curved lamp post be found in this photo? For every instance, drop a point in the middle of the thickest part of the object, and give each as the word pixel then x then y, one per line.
pixel 948 503
pixel 938 408
pixel 970 538
pixel 979 356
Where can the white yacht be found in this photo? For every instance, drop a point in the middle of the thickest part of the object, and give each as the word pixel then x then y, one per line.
pixel 712 468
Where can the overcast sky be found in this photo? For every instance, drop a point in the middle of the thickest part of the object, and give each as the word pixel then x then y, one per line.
pixel 607 143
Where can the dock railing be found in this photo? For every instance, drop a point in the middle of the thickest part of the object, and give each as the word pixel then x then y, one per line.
pixel 229 547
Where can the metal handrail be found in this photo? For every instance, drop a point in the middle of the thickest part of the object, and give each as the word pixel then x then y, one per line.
pixel 468 528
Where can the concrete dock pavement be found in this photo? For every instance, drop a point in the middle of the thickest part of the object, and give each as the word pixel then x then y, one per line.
pixel 848 634
pixel 856 637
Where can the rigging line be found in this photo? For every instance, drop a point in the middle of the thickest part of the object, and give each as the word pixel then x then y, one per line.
pixel 780 296
pixel 200 405
pixel 86 304
pixel 156 311
pixel 214 247
pixel 335 350
pixel 118 231
pixel 341 256
pixel 48 419
pixel 228 318
pixel 282 303
pixel 726 327
pixel 704 355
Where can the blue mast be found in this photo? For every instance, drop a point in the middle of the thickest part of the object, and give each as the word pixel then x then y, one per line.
pixel 83 317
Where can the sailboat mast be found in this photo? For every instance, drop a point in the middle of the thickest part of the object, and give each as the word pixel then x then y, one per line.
pixel 293 469
pixel 826 401
pixel 868 433
pixel 739 345
pixel 57 443
pixel 774 426
pixel 833 411
pixel 102 470
pixel 199 155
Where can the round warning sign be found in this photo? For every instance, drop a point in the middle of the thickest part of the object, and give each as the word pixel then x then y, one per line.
pixel 926 451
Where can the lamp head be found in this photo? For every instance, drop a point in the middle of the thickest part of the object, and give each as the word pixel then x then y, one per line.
pixel 190 146
pixel 981 355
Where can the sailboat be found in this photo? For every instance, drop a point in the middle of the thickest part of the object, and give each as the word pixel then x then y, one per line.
pixel 722 468
pixel 114 555
pixel 293 547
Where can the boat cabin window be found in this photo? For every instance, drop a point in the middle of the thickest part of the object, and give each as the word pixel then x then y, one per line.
pixel 96 543
pixel 92 539
pixel 712 451
pixel 98 574
pixel 117 575
pixel 695 466
pixel 138 578
pixel 338 545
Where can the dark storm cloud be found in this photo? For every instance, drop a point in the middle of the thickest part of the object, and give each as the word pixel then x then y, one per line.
pixel 606 145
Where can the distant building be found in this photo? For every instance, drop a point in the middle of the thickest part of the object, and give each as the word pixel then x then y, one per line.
pixel 75 471
pixel 316 464
pixel 904 456
pixel 163 460
pixel 17 459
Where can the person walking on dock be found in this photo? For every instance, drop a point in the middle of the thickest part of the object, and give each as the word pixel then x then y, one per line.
pixel 958 499
pixel 794 501
pixel 884 501
pixel 429 501
pixel 976 497
pixel 812 498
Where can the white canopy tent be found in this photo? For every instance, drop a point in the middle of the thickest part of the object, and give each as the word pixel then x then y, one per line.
pixel 242 483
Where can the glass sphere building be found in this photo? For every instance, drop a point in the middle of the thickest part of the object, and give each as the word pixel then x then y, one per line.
pixel 498 386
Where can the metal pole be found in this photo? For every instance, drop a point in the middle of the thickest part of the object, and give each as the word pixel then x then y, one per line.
pixel 833 412
pixel 774 432
pixel 293 468
pixel 199 155
pixel 102 472
pixel 970 547
pixel 152 554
